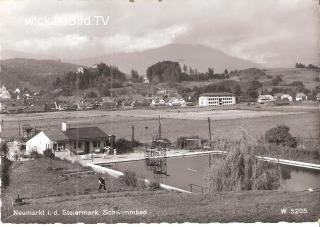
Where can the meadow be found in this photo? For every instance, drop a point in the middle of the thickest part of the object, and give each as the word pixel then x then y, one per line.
pixel 225 123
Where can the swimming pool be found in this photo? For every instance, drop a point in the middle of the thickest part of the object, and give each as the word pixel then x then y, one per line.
pixel 183 171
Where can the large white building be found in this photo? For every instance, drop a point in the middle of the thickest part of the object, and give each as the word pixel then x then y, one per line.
pixel 217 99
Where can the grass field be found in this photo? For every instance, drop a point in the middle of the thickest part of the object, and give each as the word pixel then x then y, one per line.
pixel 226 123
pixel 44 178
pixel 40 187
pixel 292 74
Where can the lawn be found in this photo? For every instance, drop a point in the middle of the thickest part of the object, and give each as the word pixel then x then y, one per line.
pixel 38 182
pixel 224 123
pixel 258 206
pixel 41 178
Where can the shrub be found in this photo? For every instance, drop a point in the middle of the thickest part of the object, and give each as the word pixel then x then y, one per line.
pixel 5 167
pixel 129 178
pixel 3 149
pixel 280 136
pixel 163 142
pixel 48 153
pixel 35 154
pixel 123 145
pixel 181 142
pixel 241 170
pixel 154 186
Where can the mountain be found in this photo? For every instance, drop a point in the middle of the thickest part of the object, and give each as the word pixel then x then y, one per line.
pixel 9 54
pixel 32 73
pixel 196 56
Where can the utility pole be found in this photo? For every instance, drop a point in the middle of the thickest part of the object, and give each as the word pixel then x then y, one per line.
pixel 132 135
pixel 159 132
pixel 209 128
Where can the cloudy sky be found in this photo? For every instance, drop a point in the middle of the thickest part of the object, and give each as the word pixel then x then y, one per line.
pixel 271 32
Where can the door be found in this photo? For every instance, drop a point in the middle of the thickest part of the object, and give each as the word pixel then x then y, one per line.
pixel 87 147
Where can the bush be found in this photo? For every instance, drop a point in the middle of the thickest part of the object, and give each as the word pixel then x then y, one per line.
pixel 241 170
pixel 280 136
pixel 163 142
pixel 35 155
pixel 129 178
pixel 48 153
pixel 123 145
pixel 154 186
pixel 5 167
pixel 181 142
pixel 4 149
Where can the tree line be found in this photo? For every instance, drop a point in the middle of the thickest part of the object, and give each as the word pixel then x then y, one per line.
pixel 103 77
pixel 170 71
pixel 302 66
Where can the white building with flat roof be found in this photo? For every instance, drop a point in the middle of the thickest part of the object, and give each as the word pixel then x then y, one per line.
pixel 217 99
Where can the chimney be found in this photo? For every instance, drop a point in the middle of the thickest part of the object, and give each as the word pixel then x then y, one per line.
pixel 64 126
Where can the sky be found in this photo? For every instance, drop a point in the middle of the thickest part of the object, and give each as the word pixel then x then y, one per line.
pixel 274 33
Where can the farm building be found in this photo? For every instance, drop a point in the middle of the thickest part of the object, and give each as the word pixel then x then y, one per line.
pixel 217 99
pixel 286 97
pixel 77 140
pixel 265 98
pixel 301 97
pixel 157 102
pixel 176 102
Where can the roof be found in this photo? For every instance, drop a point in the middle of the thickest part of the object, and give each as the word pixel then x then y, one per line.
pixel 301 94
pixel 217 94
pixel 55 134
pixel 85 133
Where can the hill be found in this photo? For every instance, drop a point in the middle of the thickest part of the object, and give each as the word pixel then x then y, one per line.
pixel 9 54
pixel 32 73
pixel 196 56
pixel 307 76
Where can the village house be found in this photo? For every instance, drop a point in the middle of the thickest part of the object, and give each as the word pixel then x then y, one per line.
pixel 4 93
pixel 286 97
pixel 217 99
pixel 146 80
pixel 76 140
pixel 265 98
pixel 156 101
pixel 173 101
pixel 80 70
pixel 301 97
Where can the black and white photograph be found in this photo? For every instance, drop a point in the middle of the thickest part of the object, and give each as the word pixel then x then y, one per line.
pixel 160 111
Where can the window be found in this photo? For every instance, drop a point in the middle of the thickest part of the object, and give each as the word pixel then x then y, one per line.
pixel 79 144
pixel 60 147
pixel 96 143
pixel 74 145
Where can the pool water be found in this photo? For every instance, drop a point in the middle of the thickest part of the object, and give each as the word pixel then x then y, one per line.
pixel 183 171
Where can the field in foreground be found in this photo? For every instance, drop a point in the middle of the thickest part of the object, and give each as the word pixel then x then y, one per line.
pixel 44 191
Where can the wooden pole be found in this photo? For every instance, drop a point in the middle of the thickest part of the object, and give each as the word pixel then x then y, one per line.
pixel 159 128
pixel 132 135
pixel 209 128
